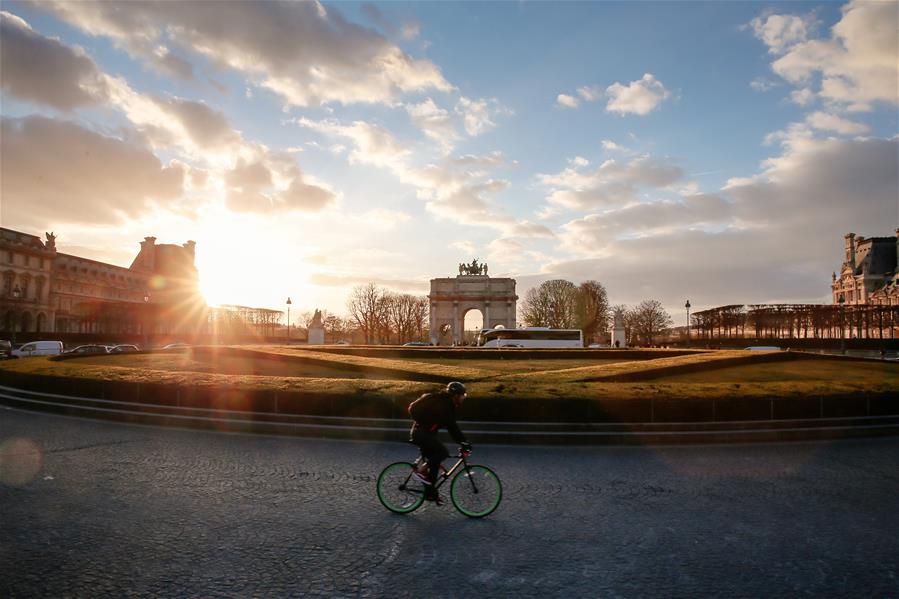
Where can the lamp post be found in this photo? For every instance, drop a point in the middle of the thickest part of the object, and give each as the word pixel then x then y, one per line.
pixel 146 304
pixel 841 300
pixel 687 306
pixel 288 319
pixel 16 293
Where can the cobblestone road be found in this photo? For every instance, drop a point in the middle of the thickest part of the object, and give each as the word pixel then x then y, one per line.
pixel 93 509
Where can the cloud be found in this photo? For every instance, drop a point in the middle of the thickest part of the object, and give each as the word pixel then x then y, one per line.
pixel 855 67
pixel 613 183
pixel 587 93
pixel 373 144
pixel 478 115
pixel 805 189
pixel 56 170
pixel 273 184
pixel 495 159
pixel 467 204
pixel 593 233
pixel 437 123
pixel 761 84
pixel 43 70
pixel 611 146
pixel 566 101
pixel 832 122
pixel 205 126
pixel 639 97
pixel 454 189
pixel 305 52
pixel 590 93
pixel 532 230
pixel 779 32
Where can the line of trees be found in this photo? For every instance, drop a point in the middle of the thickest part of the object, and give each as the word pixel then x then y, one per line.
pixel 561 304
pixel 383 316
pixel 242 321
pixel 796 321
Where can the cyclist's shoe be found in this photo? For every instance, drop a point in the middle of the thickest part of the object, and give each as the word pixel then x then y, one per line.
pixel 431 494
pixel 421 474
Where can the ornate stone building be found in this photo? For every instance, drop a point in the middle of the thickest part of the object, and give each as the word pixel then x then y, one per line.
pixel 869 274
pixel 452 298
pixel 46 291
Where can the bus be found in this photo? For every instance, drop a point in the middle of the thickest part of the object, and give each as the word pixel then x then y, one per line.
pixel 531 337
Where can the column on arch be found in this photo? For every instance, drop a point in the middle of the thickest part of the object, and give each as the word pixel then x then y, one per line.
pixel 486 314
pixel 457 324
pixel 434 326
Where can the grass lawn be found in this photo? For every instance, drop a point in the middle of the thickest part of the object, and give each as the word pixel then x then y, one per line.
pixel 799 370
pixel 506 366
pixel 225 365
pixel 716 374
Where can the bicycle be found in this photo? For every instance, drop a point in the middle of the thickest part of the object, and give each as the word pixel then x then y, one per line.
pixel 475 490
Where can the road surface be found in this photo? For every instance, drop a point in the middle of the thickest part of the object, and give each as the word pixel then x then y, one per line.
pixel 100 509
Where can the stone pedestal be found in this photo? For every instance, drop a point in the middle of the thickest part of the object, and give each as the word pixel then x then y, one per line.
pixel 316 330
pixel 618 332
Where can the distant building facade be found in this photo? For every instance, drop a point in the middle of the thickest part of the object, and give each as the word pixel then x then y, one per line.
pixel 45 291
pixel 870 271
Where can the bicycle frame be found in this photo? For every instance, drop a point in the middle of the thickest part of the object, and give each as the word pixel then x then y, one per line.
pixel 445 474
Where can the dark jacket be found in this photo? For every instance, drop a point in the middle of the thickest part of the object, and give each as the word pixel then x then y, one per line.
pixel 433 411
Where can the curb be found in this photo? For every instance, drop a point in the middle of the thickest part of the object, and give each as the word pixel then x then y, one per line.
pixel 523 433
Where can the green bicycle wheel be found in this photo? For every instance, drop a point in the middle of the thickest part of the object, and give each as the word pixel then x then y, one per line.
pixel 476 491
pixel 397 490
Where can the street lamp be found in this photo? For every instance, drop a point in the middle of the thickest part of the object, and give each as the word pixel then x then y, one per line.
pixel 687 306
pixel 288 319
pixel 16 293
pixel 146 335
pixel 841 300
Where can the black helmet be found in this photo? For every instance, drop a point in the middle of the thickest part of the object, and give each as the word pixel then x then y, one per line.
pixel 455 388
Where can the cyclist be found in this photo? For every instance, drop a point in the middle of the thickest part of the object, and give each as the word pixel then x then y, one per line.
pixel 429 413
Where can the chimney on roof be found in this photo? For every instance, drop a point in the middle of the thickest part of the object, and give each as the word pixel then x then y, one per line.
pixel 850 250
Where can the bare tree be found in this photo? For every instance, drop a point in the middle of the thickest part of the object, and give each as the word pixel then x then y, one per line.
pixel 592 309
pixel 553 304
pixel 366 308
pixel 649 318
pixel 335 327
pixel 422 315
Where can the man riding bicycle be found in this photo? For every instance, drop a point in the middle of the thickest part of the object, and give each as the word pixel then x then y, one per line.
pixel 429 413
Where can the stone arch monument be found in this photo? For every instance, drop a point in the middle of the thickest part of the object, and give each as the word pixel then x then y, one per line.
pixel 452 297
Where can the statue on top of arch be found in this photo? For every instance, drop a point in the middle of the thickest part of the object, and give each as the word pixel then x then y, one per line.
pixel 472 269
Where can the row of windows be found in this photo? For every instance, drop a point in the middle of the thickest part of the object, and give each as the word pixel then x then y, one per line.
pixel 101 273
pixel 26 260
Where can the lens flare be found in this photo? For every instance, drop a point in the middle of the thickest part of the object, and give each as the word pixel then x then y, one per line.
pixel 20 461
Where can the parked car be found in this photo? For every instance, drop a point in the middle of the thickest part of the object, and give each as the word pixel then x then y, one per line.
pixel 37 348
pixel 416 344
pixel 91 348
pixel 5 349
pixel 599 346
pixel 762 348
pixel 122 348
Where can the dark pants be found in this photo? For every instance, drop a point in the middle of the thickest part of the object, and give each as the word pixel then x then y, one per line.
pixel 433 451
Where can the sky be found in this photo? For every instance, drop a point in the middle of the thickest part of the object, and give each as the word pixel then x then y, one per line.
pixel 710 151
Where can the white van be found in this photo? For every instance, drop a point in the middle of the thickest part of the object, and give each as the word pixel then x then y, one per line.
pixel 38 348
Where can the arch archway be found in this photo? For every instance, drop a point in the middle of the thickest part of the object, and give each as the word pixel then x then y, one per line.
pixel 452 298
pixel 473 322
